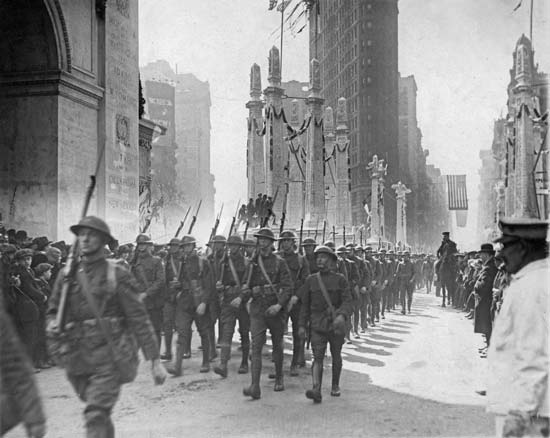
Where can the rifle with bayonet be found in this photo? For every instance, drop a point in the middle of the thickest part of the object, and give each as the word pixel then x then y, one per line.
pixel 71 265
pixel 216 225
pixel 344 236
pixel 324 231
pixel 194 219
pixel 182 223
pixel 246 230
pixel 300 249
pixel 234 219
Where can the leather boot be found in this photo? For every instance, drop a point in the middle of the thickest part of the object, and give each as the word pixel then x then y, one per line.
pixel 222 368
pixel 278 359
pixel 168 346
pixel 187 346
pixel 213 354
pixel 205 367
pixel 174 368
pixel 301 354
pixel 336 371
pixel 243 369
pixel 255 370
pixel 317 378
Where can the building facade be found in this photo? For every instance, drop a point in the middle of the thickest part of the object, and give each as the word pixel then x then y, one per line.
pixel 68 105
pixel 356 45
pixel 193 178
pixel 516 167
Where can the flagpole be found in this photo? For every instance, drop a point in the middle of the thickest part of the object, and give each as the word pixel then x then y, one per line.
pixel 282 25
pixel 531 26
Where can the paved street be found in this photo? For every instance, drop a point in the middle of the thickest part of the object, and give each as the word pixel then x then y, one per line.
pixel 412 375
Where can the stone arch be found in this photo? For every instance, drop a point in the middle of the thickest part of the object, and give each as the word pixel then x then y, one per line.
pixel 62 36
pixel 33 37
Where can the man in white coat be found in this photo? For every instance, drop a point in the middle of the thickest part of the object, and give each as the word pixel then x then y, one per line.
pixel 518 355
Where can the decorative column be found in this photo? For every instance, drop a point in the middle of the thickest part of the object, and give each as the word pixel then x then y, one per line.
pixel 275 157
pixel 255 169
pixel 315 195
pixel 296 171
pixel 330 167
pixel 342 165
pixel 378 171
pixel 401 192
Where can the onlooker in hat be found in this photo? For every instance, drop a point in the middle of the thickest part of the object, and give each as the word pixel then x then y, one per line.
pixel 483 292
pixel 518 355
pixel 7 253
pixel 21 238
pixel 28 299
pixel 124 256
pixel 43 274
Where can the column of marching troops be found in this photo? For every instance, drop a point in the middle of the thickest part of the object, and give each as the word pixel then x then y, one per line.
pixel 114 302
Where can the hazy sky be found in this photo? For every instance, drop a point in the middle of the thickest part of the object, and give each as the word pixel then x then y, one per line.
pixel 460 52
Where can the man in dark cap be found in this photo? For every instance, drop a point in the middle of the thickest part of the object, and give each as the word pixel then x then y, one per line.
pixel 483 292
pixel 149 273
pixel 95 341
pixel 518 355
pixel 269 285
pixel 327 305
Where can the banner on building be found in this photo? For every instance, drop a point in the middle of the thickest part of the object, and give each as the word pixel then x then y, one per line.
pixel 456 190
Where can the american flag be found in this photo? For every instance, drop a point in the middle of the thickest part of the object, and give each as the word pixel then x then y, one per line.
pixel 456 189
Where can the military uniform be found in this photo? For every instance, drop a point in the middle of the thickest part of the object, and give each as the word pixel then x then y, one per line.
pixel 149 273
pixel 264 295
pixel 299 271
pixel 215 260
pixel 171 270
pixel 376 286
pixel 89 363
pixel 405 280
pixel 316 313
pixel 360 278
pixel 194 287
pixel 233 269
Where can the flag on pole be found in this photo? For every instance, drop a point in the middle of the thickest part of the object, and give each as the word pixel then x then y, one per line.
pixel 518 6
pixel 456 190
pixel 284 4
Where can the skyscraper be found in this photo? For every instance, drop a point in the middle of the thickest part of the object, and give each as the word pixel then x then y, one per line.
pixel 356 45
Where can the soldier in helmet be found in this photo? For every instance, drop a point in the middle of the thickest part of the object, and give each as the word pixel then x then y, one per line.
pixel 193 294
pixel 309 245
pixel 217 246
pixel 149 273
pixel 364 295
pixel 90 362
pixel 233 304
pixel 405 279
pixel 248 246
pixel 375 284
pixel 361 281
pixel 171 269
pixel 269 285
pixel 326 307
pixel 299 271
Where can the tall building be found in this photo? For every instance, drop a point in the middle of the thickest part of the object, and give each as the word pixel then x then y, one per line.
pixel 356 45
pixel 514 172
pixel 191 133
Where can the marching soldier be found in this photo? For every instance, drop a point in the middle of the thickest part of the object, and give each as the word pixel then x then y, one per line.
pixel 233 305
pixel 269 284
pixel 98 348
pixel 193 287
pixel 172 268
pixel 405 280
pixel 359 286
pixel 385 287
pixel 392 283
pixel 299 271
pixel 326 307
pixel 217 245
pixel 376 284
pixel 149 273
pixel 364 295
pixel 249 246
pixel 309 245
